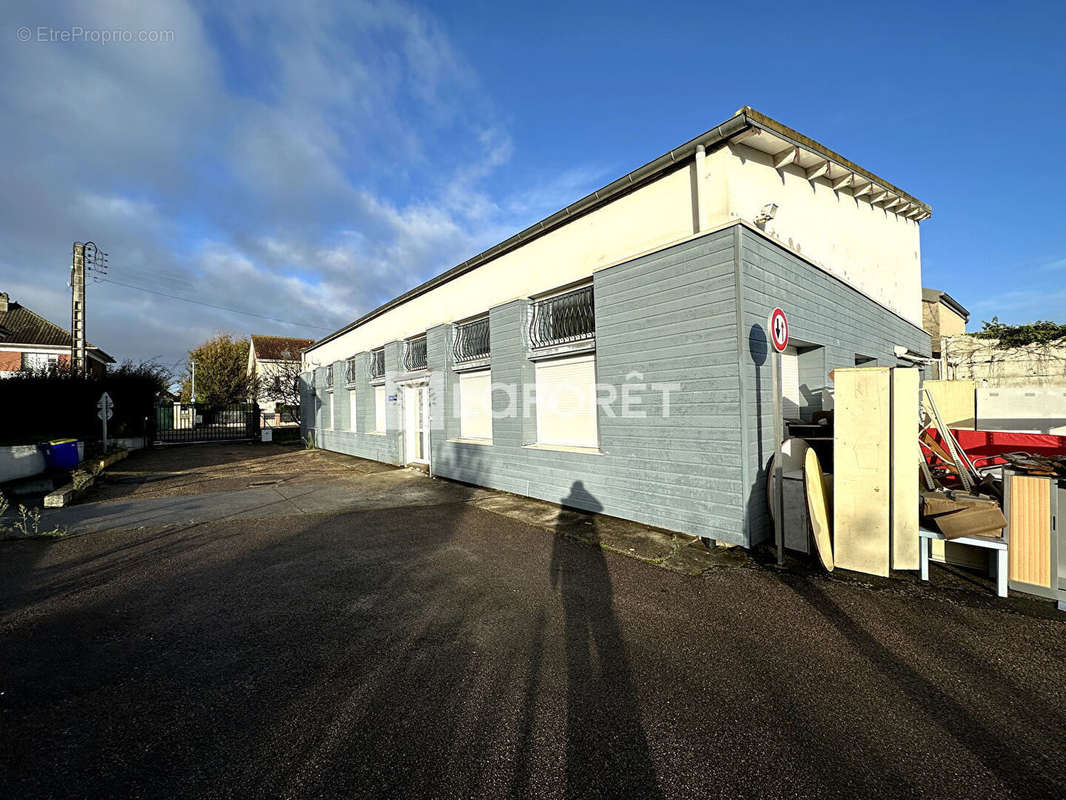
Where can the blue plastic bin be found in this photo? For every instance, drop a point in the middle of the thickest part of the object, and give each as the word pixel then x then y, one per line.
pixel 61 454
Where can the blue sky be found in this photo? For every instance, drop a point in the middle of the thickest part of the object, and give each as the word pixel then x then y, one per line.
pixel 306 162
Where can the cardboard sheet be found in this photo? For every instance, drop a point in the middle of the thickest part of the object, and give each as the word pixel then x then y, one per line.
pixel 818 508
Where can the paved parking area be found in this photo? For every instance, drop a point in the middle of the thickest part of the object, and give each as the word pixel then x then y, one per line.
pixel 443 649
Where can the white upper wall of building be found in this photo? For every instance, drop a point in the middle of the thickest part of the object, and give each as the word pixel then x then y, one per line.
pixel 874 250
pixel 831 212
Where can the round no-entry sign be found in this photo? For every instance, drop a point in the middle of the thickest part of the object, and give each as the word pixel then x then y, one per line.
pixel 778 326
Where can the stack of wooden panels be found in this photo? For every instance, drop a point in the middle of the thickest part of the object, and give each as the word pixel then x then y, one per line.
pixel 875 475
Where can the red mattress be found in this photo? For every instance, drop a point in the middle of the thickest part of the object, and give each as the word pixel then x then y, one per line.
pixel 991 443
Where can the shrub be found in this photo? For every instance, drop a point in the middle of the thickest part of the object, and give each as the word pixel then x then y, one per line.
pixel 55 405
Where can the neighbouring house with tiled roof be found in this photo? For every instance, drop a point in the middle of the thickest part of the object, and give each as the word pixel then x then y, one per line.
pixel 28 341
pixel 275 362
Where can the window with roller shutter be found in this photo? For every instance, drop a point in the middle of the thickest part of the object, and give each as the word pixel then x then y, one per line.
pixel 566 402
pixel 475 405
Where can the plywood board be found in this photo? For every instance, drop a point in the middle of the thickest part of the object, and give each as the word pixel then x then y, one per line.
pixel 904 509
pixel 862 450
pixel 956 401
pixel 1029 548
pixel 818 508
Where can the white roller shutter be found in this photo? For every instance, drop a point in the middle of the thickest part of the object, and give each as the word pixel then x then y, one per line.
pixel 379 409
pixel 331 424
pixel 790 384
pixel 475 405
pixel 352 415
pixel 566 402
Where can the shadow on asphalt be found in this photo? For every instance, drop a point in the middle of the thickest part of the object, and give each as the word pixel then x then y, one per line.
pixel 606 749
pixel 1007 764
pixel 420 651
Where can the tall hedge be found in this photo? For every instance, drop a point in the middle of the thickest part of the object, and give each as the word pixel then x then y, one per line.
pixel 42 406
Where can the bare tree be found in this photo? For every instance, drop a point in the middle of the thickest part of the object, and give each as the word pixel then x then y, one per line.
pixel 282 386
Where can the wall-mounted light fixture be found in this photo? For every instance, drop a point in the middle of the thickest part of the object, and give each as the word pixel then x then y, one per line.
pixel 769 211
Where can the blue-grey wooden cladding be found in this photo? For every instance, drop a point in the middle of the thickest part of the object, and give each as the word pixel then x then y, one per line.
pixel 822 311
pixel 690 314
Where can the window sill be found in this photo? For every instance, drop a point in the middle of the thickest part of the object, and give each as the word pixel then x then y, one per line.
pixel 480 442
pixel 375 433
pixel 473 365
pixel 565 448
pixel 581 347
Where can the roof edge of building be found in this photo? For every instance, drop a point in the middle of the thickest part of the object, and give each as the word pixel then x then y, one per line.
pixel 743 119
pixel 938 296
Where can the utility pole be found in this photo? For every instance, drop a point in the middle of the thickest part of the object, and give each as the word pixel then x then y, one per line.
pixel 87 258
pixel 194 382
pixel 77 311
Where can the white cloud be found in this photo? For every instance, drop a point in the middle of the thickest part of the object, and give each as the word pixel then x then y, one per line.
pixel 305 162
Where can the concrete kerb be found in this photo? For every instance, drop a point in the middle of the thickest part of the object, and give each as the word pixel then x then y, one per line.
pixel 677 552
pixel 65 495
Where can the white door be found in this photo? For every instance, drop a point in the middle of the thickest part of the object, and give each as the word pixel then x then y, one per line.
pixel 416 424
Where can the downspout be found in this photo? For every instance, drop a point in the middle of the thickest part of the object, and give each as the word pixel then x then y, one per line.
pixel 700 215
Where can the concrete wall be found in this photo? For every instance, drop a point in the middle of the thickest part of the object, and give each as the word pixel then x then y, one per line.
pixel 20 461
pixel 967 357
pixel 26 460
pixel 670 317
pixel 829 321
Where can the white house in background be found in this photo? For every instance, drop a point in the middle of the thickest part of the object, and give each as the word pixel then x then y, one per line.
pixel 30 342
pixel 275 360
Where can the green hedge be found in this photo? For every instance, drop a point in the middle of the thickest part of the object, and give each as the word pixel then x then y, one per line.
pixel 38 407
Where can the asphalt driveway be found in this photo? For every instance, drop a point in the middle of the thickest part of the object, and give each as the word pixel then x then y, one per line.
pixel 441 649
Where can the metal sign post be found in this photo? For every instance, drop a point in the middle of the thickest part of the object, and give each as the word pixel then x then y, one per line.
pixel 105 406
pixel 778 327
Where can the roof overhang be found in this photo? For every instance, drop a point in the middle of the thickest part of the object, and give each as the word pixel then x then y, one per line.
pixel 23 347
pixel 937 296
pixel 99 355
pixel 749 127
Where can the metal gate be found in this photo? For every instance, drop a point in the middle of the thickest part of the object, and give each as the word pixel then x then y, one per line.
pixel 189 422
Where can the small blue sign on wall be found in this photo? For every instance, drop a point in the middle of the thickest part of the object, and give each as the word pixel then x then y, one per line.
pixel 393 398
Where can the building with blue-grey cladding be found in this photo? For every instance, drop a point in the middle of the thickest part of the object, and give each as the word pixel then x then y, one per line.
pixel 621 342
